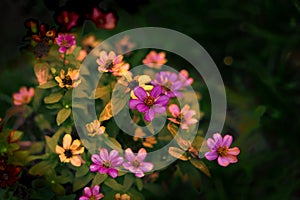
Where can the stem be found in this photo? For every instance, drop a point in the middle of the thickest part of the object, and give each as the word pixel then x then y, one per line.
pixel 64 61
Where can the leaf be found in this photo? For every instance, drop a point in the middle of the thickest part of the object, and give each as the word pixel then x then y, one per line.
pixel 40 168
pixel 106 114
pixel 128 181
pixel 42 122
pixel 63 115
pixel 15 136
pixel 36 147
pixel 173 129
pixel 177 153
pixel 112 183
pixel 82 181
pixel 102 93
pixel 113 143
pixel 81 171
pixel 49 84
pixel 65 177
pixel 53 98
pixel 99 178
pixel 52 141
pixel 200 165
pixel 135 194
pixel 139 183
pixel 58 189
pixel 118 104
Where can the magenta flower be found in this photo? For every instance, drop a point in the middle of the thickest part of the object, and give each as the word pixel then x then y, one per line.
pixel 67 20
pixel 105 163
pixel 65 41
pixel 135 164
pixel 219 148
pixel 104 20
pixel 92 193
pixel 169 82
pixel 183 117
pixel 149 104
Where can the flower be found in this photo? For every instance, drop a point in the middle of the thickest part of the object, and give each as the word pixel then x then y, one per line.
pixel 65 41
pixel 184 117
pixel 118 196
pixel 105 163
pixel 135 164
pixel 89 43
pixel 104 20
pixel 9 175
pixel 131 83
pixel 169 82
pixel 91 193
pixel 70 152
pixel 112 63
pixel 184 78
pixel 67 20
pixel 94 128
pixel 70 80
pixel 124 45
pixel 147 142
pixel 155 60
pixel 219 148
pixel 42 73
pixel 149 104
pixel 23 97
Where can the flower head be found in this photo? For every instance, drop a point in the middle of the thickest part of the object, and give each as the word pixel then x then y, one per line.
pixel 42 73
pixel 124 45
pixel 169 82
pixel 23 97
pixel 132 82
pixel 67 20
pixel 219 148
pixel 69 80
pixel 184 78
pixel 112 63
pixel 136 164
pixel 149 104
pixel 146 142
pixel 65 41
pixel 155 60
pixel 118 196
pixel 183 117
pixel 91 193
pixel 95 128
pixel 105 20
pixel 105 163
pixel 9 175
pixel 70 151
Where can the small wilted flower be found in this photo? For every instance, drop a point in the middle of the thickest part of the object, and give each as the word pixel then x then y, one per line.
pixel 92 193
pixel 124 45
pixel 105 163
pixel 69 80
pixel 169 82
pixel 23 97
pixel 136 164
pixel 132 83
pixel 95 128
pixel 149 104
pixel 112 63
pixel 118 196
pixel 70 151
pixel 219 149
pixel 9 175
pixel 184 117
pixel 155 60
pixel 147 142
pixel 42 73
pixel 65 41
pixel 104 20
pixel 67 20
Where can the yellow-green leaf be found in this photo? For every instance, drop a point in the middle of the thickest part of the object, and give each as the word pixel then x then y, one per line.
pixel 99 178
pixel 102 93
pixel 49 84
pixel 200 165
pixel 106 114
pixel 53 98
pixel 82 181
pixel 63 115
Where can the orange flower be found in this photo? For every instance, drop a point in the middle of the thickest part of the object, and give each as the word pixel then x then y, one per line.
pixel 70 152
pixel 69 80
pixel 155 60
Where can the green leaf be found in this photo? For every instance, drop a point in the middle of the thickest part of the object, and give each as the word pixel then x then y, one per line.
pixel 102 93
pixel 63 115
pixel 128 181
pixel 112 183
pixel 135 195
pixel 42 122
pixel 58 189
pixel 15 135
pixel 65 177
pixel 113 143
pixel 139 183
pixel 40 168
pixel 52 141
pixel 53 98
pixel 200 165
pixel 82 181
pixel 81 171
pixel 49 84
pixel 99 178
pixel 36 147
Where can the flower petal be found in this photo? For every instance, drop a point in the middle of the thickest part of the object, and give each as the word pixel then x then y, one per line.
pixel 94 167
pixel 104 154
pixel 163 100
pixel 59 149
pixel 95 190
pixel 159 109
pixel 141 155
pixel 223 161
pixel 129 155
pixel 76 161
pixel 142 108
pixel 96 159
pixel 218 139
pixel 113 173
pixel 146 166
pixel 117 161
pixel 174 110
pixel 212 155
pixel 113 154
pixel 233 151
pixel 227 140
pixel 156 91
pixel 87 192
pixel 149 115
pixel 140 93
pixel 67 140
pixel 84 198
pixel 134 102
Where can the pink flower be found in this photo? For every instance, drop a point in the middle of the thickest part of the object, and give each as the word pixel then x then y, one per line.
pixel 219 148
pixel 105 20
pixel 110 62
pixel 149 104
pixel 23 97
pixel 155 60
pixel 183 117
pixel 67 20
pixel 184 78
pixel 135 164
pixel 65 41
pixel 105 163
pixel 92 193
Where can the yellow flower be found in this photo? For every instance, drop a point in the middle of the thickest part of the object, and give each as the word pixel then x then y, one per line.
pixel 118 196
pixel 69 80
pixel 95 128
pixel 70 152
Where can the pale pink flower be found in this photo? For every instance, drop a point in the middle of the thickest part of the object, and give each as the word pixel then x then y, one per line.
pixel 184 78
pixel 23 97
pixel 155 60
pixel 184 117
pixel 219 149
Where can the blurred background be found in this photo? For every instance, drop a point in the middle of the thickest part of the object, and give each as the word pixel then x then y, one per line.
pixel 256 46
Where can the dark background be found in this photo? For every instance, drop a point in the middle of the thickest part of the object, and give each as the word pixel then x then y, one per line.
pixel 260 40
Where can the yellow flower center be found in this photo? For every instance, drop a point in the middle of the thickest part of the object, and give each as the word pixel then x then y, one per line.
pixel 149 101
pixel 222 151
pixel 92 198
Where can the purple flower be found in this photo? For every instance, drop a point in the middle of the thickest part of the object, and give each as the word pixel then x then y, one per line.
pixel 170 83
pixel 184 117
pixel 92 193
pixel 105 163
pixel 219 148
pixel 135 164
pixel 150 104
pixel 65 41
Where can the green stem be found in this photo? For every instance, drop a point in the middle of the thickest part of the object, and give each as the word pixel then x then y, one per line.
pixel 64 61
